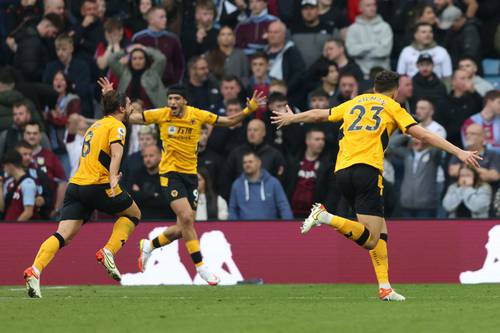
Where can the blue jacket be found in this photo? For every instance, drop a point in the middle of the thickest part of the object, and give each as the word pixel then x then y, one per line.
pixel 264 199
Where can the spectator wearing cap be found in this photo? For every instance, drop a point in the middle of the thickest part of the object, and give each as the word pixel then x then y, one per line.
pixel 27 44
pixel 447 13
pixel 426 83
pixel 470 65
pixel 166 42
pixel 463 39
pixel 310 34
pixel 285 60
pixel 423 42
pixel 202 89
pixel 369 38
pixel 250 33
pixel 489 119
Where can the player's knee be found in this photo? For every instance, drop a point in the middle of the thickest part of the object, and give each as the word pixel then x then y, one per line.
pixel 134 219
pixel 185 218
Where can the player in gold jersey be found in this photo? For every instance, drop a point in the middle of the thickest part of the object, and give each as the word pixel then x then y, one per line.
pixel 368 122
pixel 180 130
pixel 94 186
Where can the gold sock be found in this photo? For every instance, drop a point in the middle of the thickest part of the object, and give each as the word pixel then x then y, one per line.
pixel 193 247
pixel 351 229
pixel 160 241
pixel 121 231
pixel 47 251
pixel 380 261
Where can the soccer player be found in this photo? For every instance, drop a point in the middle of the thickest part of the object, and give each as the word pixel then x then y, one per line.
pixel 94 186
pixel 180 130
pixel 368 121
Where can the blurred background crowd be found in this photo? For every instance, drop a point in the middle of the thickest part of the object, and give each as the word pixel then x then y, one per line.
pixel 304 53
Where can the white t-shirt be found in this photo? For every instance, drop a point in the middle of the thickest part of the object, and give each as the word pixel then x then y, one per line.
pixel 407 62
pixel 436 128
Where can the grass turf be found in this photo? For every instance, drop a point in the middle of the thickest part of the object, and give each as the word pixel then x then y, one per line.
pixel 267 308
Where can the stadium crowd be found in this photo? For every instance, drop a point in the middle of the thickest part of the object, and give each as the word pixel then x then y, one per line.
pixel 304 53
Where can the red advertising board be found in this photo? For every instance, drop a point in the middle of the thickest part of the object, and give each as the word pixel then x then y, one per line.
pixel 419 252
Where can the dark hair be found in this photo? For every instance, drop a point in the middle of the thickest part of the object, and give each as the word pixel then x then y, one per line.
pixel 23 144
pixel 339 41
pixel 374 71
pixel 259 55
pixel 33 123
pixel 477 179
pixel 206 4
pixel 428 100
pixel 212 209
pixel 421 24
pixel 7 75
pixel 467 58
pixel 13 157
pixel 177 89
pixel 112 24
pixel 276 97
pixel 386 81
pixel 24 102
pixel 112 101
pixel 250 152
pixel 314 129
pixel 230 77
pixel 147 59
pixel 70 87
pixel 319 93
pixel 323 68
pixel 55 20
pixel 348 74
pixel 492 95
pixel 233 101
pixel 193 60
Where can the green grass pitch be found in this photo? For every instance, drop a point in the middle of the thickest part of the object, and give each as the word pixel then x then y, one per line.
pixel 266 308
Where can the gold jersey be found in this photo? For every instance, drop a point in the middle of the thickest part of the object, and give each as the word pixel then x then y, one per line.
pixel 369 120
pixel 96 151
pixel 179 136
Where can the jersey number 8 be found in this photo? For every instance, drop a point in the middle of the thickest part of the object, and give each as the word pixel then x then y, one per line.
pixel 86 144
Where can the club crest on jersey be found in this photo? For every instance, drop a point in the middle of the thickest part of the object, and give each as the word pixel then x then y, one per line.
pixel 171 130
pixel 121 133
pixel 174 193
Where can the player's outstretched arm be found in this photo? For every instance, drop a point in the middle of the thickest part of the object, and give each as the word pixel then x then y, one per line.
pixel 253 104
pixel 281 119
pixel 136 116
pixel 114 166
pixel 470 158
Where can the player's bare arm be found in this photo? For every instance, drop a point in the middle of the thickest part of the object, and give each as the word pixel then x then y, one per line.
pixel 114 167
pixel 470 158
pixel 258 99
pixel 281 119
pixel 136 116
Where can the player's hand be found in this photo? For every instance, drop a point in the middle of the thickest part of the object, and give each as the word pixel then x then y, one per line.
pixel 281 119
pixel 113 182
pixel 470 158
pixel 105 85
pixel 258 99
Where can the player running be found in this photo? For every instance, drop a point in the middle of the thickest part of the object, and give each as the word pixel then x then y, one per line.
pixel 368 122
pixel 94 186
pixel 180 129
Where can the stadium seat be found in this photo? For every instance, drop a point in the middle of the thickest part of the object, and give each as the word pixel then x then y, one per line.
pixel 491 67
pixel 494 80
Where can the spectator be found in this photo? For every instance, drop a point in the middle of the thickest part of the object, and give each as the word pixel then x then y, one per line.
pixel 307 174
pixel 73 140
pixel 224 140
pixel 17 197
pixel 426 84
pixel 230 88
pixel 469 65
pixel 328 74
pixel 113 43
pixel 447 14
pixel 229 12
pixel 348 88
pixel 48 162
pixel 259 79
pixel 20 115
pixel 89 32
pixel 369 39
pixel 145 186
pixel 424 113
pixel 202 88
pixel 489 171
pixel 320 100
pixel 271 158
pixel 310 34
pixel 76 70
pixel 139 74
pixel 27 43
pixel 405 94
pixel 58 7
pixel 462 103
pixel 256 195
pixel 333 14
pixel 285 61
pixel 421 164
pixel 423 42
pixel 43 199
pixel 469 197
pixel 463 39
pixel 138 21
pixel 210 205
pixel 250 33
pixel 209 159
pixel 156 36
pixel 201 35
pixel 147 137
pixel 489 119
pixel 226 59
pixel 334 50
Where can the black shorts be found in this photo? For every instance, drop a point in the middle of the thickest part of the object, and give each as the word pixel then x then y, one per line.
pixel 176 185
pixel 361 185
pixel 80 201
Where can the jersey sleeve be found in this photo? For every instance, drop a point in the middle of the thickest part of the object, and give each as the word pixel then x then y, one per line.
pixel 337 113
pixel 154 116
pixel 402 118
pixel 117 134
pixel 207 117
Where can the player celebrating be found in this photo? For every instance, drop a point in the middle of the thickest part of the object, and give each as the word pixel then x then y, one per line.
pixel 94 186
pixel 180 129
pixel 368 121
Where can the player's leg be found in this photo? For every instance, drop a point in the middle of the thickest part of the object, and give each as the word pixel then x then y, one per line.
pixel 65 232
pixel 147 246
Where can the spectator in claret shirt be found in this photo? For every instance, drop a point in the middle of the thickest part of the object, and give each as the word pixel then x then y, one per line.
pixel 157 37
pixel 256 195
pixel 49 163
pixel 17 194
